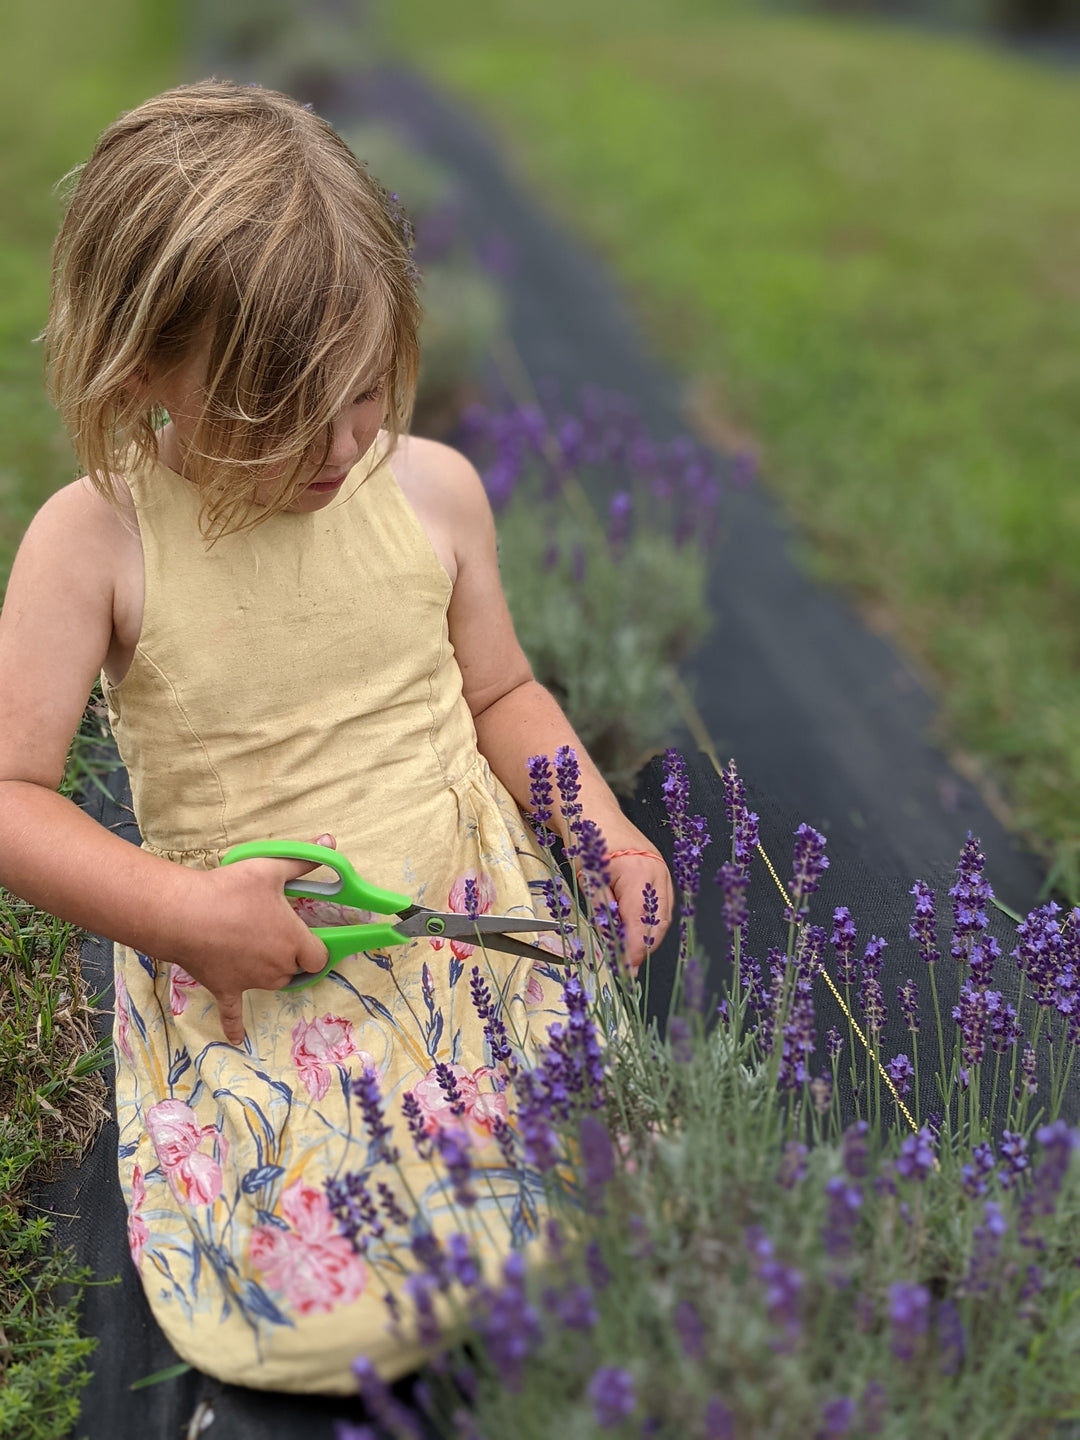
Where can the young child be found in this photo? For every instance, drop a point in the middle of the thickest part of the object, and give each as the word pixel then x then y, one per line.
pixel 297 617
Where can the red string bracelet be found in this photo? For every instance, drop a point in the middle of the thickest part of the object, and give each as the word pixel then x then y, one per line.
pixel 647 854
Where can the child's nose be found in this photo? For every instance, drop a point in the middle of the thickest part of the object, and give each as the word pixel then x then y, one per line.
pixel 342 448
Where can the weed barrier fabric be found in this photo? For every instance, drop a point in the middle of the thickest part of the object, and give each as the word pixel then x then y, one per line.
pixel 827 723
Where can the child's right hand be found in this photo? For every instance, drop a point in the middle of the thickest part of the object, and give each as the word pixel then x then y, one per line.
pixel 245 935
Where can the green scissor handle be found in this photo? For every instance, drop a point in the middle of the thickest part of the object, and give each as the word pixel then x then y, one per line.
pixel 350 890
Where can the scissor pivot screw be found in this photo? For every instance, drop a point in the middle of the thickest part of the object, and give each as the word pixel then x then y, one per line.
pixel 436 926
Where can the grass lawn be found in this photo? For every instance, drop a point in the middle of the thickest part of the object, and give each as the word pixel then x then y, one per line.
pixel 861 246
pixel 67 70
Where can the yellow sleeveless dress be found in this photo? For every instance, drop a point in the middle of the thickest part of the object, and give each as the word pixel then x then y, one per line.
pixel 296 679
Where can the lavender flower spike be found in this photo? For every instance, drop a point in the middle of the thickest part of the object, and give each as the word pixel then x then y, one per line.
pixel 923 928
pixel 613 1397
pixel 809 864
pixel 909 1312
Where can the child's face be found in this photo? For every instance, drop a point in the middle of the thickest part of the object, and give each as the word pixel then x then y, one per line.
pixel 355 429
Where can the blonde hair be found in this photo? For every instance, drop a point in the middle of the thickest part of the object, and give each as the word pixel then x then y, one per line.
pixel 228 221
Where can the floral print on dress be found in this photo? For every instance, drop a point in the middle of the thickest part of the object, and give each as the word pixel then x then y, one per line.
pixel 193 1176
pixel 180 982
pixel 310 1263
pixel 318 1044
pixel 138 1230
pixel 482 1107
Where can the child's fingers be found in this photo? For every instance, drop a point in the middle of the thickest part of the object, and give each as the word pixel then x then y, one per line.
pixel 311 953
pixel 231 1011
pixel 293 869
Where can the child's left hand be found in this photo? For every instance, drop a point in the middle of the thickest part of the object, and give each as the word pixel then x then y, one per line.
pixel 629 876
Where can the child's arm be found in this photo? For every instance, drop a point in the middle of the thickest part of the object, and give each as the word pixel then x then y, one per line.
pixel 56 631
pixel 515 717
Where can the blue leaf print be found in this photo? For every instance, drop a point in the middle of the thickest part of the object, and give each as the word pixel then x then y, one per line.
pixel 181 1062
pixel 278 1085
pixel 549 972
pixel 456 967
pixel 434 1033
pixel 523 1221
pixel 266 1218
pixel 140 1023
pixel 377 958
pixel 455 1049
pixel 376 1007
pixel 254 1298
pixel 258 1178
pixel 126 1151
pixel 147 964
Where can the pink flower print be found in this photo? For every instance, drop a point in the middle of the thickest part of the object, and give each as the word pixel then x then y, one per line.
pixel 138 1230
pixel 313 1264
pixel 123 1018
pixel 194 1178
pixel 179 983
pixel 534 991
pixel 482 1107
pixel 485 898
pixel 318 1044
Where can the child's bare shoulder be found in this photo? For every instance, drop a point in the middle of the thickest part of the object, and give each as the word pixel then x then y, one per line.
pixel 79 534
pixel 429 469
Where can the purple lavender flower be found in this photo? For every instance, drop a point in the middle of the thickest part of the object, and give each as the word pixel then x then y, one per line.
pixel 388 1203
pixel 504 1138
pixel 838 1416
pixel 916 1158
pixel 982 956
pixel 799 1036
pixel 973 1016
pixel 909 1315
pixel 557 899
pixel 472 898
pixel 734 792
pixel 1014 1152
pixel 420 1288
pixel 872 1408
pixel 682 1045
pixel 733 881
pixel 923 928
pixel 821 1091
pixel 592 856
pixel 970 896
pixel 568 783
pixel 843 1203
pixel 693 984
pixel 872 1001
pixel 414 1119
pixel 573 1307
pixel 809 864
pixel 855 1149
pixel 719 1421
pixel 1005 1031
pixel 783 1290
pixel 1058 1142
pixel 508 1323
pixel 974 1176
pixel 460 1261
pixel 447 1081
pixel 901 1072
pixel 1027 1079
pixel 792 1164
pixel 382 1404
pixel 453 1148
pixel 619 509
pixel 908 995
pixel 613 1396
pixel 366 1089
pixel 494 1028
pixel 650 914
pixel 843 939
pixel 950 1336
pixel 871 961
pixel 344 1430
pixel 352 1206
pixel 690 832
pixel 597 1156
pixel 986 1250
pixel 541 801
pixel 834 1043
pixel 690 1330
pixel 598 1273
pixel 1041 954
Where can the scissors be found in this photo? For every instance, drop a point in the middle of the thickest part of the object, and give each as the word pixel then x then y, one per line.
pixel 413 921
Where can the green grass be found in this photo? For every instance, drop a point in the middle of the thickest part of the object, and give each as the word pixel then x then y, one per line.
pixel 67 70
pixel 860 245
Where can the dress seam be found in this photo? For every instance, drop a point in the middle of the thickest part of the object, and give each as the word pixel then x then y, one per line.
pixel 194 735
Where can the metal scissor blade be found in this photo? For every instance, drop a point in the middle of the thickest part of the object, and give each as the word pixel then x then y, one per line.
pixel 495 941
pixel 448 925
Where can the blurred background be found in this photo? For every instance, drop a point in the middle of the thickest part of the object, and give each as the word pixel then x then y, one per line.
pixel 850 230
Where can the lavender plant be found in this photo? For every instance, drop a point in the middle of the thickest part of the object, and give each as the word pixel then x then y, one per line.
pixel 603 537
pixel 726 1235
